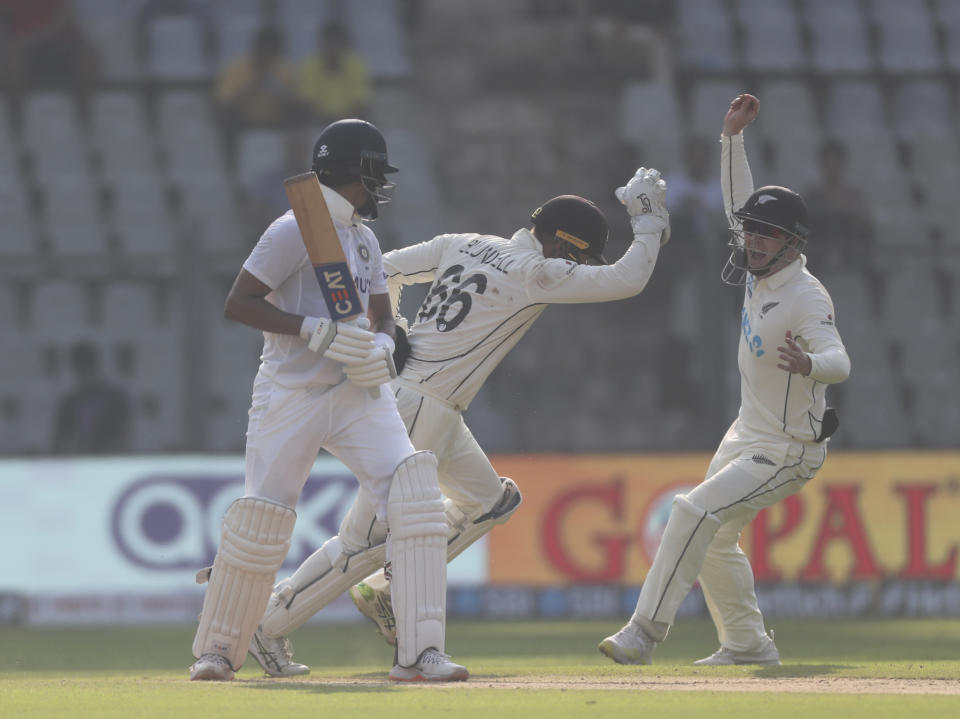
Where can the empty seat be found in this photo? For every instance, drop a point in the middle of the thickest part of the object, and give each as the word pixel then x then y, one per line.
pixel 922 107
pixel 71 218
pixel 788 111
pixel 650 120
pixel 59 309
pixel 121 134
pixel 705 44
pixel 175 49
pixel 117 52
pixel 906 38
pixel 709 101
pixel 129 307
pixel 379 37
pixel 260 153
pixel 855 108
pixel 53 135
pixel 235 35
pixel 839 38
pixel 19 229
pixel 771 33
pixel 50 118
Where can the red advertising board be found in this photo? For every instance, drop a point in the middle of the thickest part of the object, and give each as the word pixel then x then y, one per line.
pixel 864 517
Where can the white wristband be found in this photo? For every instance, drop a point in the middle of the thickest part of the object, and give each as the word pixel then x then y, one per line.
pixel 309 326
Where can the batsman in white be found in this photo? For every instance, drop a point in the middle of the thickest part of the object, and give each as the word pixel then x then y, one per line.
pixel 312 392
pixel 486 293
pixel 790 351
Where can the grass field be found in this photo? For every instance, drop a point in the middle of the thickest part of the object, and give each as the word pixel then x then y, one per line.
pixel 840 668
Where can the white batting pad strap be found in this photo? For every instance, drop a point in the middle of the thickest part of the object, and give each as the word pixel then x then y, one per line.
pixel 417 553
pixel 254 540
pixel 688 534
pixel 323 576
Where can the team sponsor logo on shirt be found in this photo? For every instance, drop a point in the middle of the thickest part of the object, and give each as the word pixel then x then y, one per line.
pixel 364 253
pixel 767 307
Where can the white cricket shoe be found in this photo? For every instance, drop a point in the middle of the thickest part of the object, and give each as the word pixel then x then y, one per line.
pixel 275 656
pixel 211 667
pixel 767 654
pixel 433 666
pixel 378 607
pixel 630 645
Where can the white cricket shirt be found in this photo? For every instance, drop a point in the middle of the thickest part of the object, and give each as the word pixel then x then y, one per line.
pixel 280 261
pixel 774 402
pixel 486 293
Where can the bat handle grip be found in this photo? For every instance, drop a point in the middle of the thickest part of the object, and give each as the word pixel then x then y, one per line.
pixel 364 324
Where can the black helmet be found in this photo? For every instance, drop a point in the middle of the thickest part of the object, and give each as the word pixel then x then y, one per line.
pixel 576 221
pixel 354 151
pixel 768 207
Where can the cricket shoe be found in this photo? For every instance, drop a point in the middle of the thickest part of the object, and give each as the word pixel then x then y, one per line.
pixel 378 607
pixel 211 667
pixel 630 645
pixel 767 654
pixel 275 656
pixel 433 666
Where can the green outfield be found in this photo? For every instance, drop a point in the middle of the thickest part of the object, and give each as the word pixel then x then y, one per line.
pixel 839 668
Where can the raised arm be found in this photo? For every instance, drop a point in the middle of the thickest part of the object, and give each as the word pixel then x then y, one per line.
pixel 736 181
pixel 555 280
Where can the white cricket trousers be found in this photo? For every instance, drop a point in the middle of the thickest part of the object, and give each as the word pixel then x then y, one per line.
pixel 466 476
pixel 747 474
pixel 288 427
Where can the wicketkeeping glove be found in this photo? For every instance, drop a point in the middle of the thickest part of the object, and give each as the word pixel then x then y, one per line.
pixel 644 196
pixel 340 341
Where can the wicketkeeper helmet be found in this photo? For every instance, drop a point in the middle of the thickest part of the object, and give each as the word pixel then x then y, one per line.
pixel 576 221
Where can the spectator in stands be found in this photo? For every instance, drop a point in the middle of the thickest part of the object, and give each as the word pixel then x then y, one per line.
pixel 259 90
pixel 44 48
pixel 94 417
pixel 334 81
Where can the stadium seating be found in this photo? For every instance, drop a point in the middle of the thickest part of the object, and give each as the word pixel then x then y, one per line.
pixel 104 195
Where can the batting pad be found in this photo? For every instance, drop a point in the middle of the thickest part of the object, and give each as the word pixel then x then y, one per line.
pixel 417 553
pixel 323 576
pixel 254 540
pixel 683 547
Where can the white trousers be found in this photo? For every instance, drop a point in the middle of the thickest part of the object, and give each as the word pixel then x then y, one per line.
pixel 747 474
pixel 288 427
pixel 466 476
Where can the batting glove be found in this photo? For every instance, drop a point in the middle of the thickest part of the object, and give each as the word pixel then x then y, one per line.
pixel 644 196
pixel 338 341
pixel 377 367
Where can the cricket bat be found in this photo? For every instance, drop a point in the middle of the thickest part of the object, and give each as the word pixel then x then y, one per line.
pixel 323 246
pixel 324 249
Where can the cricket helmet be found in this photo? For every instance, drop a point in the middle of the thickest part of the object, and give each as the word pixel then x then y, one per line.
pixel 767 210
pixel 577 222
pixel 354 151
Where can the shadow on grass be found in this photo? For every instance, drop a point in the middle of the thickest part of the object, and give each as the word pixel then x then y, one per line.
pixel 799 670
pixel 327 685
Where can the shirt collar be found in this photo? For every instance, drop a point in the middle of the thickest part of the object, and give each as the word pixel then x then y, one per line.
pixel 526 239
pixel 340 208
pixel 781 277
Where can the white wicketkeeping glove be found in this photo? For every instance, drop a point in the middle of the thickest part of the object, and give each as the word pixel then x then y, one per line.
pixel 377 367
pixel 340 341
pixel 644 196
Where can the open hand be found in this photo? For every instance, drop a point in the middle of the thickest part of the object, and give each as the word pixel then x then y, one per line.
pixel 795 360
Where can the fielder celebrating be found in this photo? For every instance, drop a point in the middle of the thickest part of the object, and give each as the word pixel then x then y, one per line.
pixel 486 293
pixel 789 352
pixel 312 392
